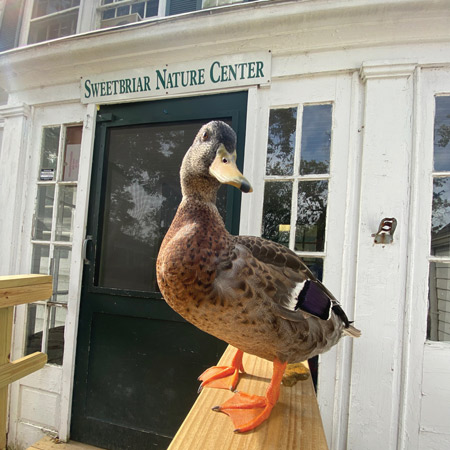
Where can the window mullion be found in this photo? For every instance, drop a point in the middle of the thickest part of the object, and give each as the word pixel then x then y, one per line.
pixel 44 343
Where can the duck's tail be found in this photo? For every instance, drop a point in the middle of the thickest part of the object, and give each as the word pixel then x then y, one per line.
pixel 352 331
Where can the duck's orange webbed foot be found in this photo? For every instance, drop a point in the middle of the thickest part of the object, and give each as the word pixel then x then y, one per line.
pixel 248 411
pixel 223 377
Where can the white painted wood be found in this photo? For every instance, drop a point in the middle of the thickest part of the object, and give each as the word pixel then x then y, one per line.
pixel 435 413
pixel 79 233
pixel 381 270
pixel 12 183
pixel 348 265
pixel 414 331
pixel 44 387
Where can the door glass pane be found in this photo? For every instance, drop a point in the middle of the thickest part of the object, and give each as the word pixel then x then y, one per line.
pixel 316 139
pixel 281 141
pixel 49 153
pixel 66 209
pixel 55 345
pixel 277 211
pixel 442 135
pixel 141 198
pixel 315 265
pixel 440 219
pixel 61 272
pixel 35 325
pixel 72 153
pixel 439 302
pixel 40 259
pixel 44 212
pixel 311 216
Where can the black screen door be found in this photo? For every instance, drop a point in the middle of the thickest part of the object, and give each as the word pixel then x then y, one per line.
pixel 138 361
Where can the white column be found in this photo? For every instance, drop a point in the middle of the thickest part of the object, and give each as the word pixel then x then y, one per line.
pixel 13 184
pixel 381 269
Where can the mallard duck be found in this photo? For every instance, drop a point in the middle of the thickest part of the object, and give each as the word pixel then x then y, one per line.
pixel 255 294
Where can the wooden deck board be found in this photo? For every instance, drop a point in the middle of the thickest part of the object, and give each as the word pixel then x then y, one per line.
pixel 295 421
pixel 48 443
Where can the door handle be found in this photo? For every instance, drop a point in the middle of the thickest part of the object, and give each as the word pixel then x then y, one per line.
pixel 84 249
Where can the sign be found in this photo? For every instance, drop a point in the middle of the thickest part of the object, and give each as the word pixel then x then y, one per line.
pixel 47 174
pixel 180 78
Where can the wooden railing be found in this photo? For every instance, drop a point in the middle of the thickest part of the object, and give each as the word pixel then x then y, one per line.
pixel 295 422
pixel 17 290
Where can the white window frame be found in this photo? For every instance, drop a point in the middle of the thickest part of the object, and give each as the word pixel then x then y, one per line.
pixel 27 19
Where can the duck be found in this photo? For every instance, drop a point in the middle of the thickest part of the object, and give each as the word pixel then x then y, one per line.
pixel 255 294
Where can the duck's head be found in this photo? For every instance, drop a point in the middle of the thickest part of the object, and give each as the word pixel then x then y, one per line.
pixel 211 161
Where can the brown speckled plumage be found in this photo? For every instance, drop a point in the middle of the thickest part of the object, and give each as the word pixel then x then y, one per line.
pixel 237 288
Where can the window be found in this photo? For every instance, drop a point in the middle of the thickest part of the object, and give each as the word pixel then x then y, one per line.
pixel 52 237
pixel 439 278
pixel 52 19
pixel 121 12
pixel 296 181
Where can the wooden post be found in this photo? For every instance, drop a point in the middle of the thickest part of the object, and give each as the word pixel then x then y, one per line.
pixel 16 290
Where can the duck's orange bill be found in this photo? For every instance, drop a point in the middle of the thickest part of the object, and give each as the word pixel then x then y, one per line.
pixel 224 169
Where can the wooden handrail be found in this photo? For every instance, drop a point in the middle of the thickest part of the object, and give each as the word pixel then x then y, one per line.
pixel 17 290
pixel 295 422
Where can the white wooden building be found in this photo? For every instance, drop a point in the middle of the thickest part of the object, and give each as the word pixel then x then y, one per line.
pixel 342 109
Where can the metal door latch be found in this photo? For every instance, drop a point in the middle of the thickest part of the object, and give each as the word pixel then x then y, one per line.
pixel 84 249
pixel 385 233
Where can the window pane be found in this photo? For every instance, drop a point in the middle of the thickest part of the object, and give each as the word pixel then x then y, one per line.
pixel 152 8
pixel 277 211
pixel 138 8
pixel 315 265
pixel 442 134
pixel 440 219
pixel 44 212
pixel 40 259
pixel 123 11
pixel 61 272
pixel 45 7
pixel 66 210
pixel 35 325
pixel 439 302
pixel 54 324
pixel 49 153
pixel 55 345
pixel 281 141
pixel 316 139
pixel 72 153
pixel 53 27
pixel 311 216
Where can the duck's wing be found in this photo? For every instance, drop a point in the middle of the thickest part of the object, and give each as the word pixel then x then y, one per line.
pixel 295 289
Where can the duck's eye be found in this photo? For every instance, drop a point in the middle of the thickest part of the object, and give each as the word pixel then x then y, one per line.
pixel 205 136
pixel 225 160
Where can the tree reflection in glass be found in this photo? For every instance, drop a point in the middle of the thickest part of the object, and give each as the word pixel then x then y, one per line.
pixel 311 216
pixel 316 139
pixel 281 141
pixel 141 198
pixel 277 211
